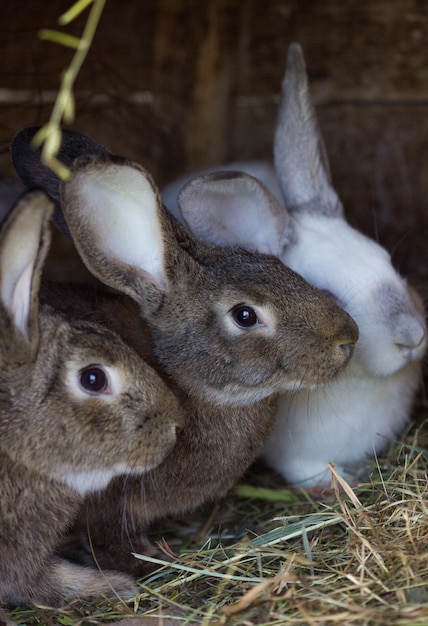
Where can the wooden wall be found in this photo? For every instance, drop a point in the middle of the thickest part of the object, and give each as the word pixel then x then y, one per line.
pixel 177 84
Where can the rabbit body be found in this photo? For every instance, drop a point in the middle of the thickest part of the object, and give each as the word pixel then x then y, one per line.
pixel 370 401
pixel 226 376
pixel 227 328
pixel 77 408
pixel 329 424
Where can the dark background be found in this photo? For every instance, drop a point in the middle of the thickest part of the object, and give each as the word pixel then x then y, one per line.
pixel 176 84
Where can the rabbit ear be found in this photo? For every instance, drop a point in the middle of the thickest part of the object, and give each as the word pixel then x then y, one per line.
pixel 114 214
pixel 24 243
pixel 34 173
pixel 300 157
pixel 235 209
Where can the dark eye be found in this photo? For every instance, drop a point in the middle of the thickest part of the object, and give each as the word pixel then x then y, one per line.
pixel 93 379
pixel 244 316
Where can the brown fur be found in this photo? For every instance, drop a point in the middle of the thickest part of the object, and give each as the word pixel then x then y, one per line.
pixel 54 440
pixel 226 378
pixel 192 347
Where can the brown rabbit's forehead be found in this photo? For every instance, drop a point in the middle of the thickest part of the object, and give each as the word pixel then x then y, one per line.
pixel 86 341
pixel 250 271
pixel 213 280
pixel 232 296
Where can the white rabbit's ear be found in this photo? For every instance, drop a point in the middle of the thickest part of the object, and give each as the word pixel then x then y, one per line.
pixel 300 156
pixel 235 209
pixel 114 214
pixel 24 243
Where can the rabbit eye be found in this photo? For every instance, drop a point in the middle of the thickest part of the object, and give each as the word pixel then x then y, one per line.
pixel 93 379
pixel 244 316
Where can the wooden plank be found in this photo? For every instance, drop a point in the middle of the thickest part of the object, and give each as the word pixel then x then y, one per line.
pixel 179 83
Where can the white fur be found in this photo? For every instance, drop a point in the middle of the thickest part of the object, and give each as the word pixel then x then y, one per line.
pixel 86 481
pixel 343 422
pixel 370 402
pixel 233 394
pixel 334 257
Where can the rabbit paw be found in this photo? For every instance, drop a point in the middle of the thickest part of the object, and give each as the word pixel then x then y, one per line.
pixel 112 556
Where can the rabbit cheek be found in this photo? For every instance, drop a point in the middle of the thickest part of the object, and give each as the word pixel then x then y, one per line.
pixel 150 437
pixel 133 432
pixel 150 448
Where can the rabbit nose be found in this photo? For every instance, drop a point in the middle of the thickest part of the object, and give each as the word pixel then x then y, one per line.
pixel 411 336
pixel 413 352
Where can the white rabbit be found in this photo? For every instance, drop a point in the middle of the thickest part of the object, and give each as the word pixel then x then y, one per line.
pixel 370 402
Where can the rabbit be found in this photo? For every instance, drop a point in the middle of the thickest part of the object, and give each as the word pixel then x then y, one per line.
pixel 227 328
pixel 369 403
pixel 78 407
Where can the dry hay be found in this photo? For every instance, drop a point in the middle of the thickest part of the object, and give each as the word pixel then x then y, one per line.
pixel 271 556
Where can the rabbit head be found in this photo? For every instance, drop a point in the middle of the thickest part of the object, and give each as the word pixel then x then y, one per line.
pixel 116 414
pixel 354 268
pixel 210 308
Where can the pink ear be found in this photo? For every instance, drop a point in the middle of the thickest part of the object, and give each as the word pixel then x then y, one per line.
pixel 300 157
pixel 24 242
pixel 112 209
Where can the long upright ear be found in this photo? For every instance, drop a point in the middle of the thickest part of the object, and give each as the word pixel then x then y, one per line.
pixel 115 217
pixel 24 243
pixel 235 209
pixel 300 156
pixel 34 173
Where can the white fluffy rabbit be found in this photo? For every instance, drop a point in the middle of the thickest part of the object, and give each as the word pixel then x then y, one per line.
pixel 370 402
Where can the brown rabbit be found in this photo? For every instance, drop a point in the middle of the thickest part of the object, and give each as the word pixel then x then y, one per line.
pixel 227 328
pixel 77 408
